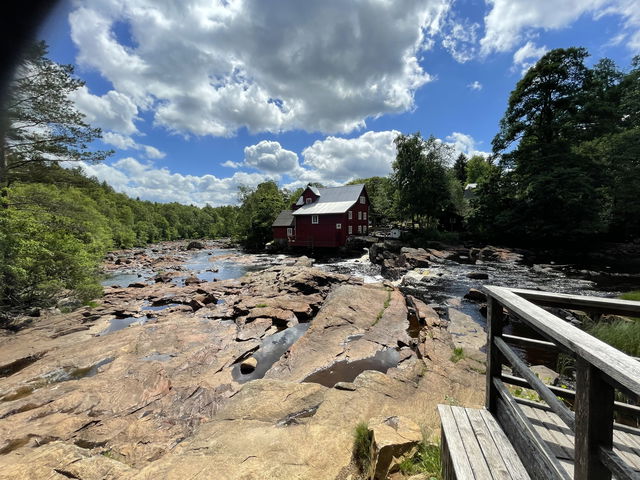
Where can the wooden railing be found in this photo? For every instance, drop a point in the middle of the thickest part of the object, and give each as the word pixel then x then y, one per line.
pixel 600 370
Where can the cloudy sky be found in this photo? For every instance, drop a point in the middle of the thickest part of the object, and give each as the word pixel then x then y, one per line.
pixel 198 97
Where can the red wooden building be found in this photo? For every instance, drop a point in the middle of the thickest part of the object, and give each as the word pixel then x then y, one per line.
pixel 324 217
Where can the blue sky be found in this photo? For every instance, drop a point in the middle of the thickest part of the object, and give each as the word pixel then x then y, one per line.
pixel 198 97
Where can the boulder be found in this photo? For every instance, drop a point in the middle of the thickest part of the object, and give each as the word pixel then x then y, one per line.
pixel 304 261
pixel 196 304
pixel 393 438
pixel 548 376
pixel 248 365
pixel 195 245
pixel 478 275
pixel 137 285
pixel 162 278
pixel 415 257
pixel 467 334
pixel 192 281
pixel 475 295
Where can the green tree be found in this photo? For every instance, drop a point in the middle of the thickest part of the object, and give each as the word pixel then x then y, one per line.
pixel 40 123
pixel 51 240
pixel 478 167
pixel 460 169
pixel 558 192
pixel 420 177
pixel 260 207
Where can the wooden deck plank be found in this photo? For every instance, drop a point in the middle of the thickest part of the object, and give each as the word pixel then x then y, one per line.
pixel 496 463
pixel 474 452
pixel 543 431
pixel 558 430
pixel 626 445
pixel 510 457
pixel 624 448
pixel 457 452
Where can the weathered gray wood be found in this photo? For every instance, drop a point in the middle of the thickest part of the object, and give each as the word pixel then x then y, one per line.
pixel 495 325
pixel 560 433
pixel 474 452
pixel 528 341
pixel 569 394
pixel 615 364
pixel 457 452
pixel 594 422
pixel 510 457
pixel 533 451
pixel 624 450
pixel 487 443
pixel 547 395
pixel 581 302
pixel 614 465
pixel 544 433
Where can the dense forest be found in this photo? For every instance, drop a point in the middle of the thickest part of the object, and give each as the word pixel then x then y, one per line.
pixel 565 167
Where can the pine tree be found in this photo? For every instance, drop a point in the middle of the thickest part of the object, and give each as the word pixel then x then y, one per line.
pixel 40 124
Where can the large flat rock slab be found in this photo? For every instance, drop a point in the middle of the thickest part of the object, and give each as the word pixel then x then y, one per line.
pixel 355 322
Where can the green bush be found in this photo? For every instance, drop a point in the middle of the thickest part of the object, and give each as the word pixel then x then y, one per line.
pixel 621 334
pixel 362 439
pixel 457 355
pixel 426 460
pixel 635 295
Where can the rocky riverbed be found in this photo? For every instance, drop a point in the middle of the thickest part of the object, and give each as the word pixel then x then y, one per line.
pixel 203 361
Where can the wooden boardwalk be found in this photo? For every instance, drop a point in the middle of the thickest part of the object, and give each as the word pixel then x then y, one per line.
pixel 560 439
pixel 555 440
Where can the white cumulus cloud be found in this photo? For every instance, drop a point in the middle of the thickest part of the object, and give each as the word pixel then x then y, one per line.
pixel 475 85
pixel 124 142
pixel 463 143
pixel 509 22
pixel 213 67
pixel 527 56
pixel 269 156
pixel 137 179
pixel 111 111
pixel 337 160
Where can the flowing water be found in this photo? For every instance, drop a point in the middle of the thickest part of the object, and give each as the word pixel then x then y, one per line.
pixel 270 351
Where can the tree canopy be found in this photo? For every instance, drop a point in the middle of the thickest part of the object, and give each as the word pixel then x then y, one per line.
pixel 420 177
pixel 40 122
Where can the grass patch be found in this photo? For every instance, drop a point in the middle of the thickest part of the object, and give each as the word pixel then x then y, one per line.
pixel 526 393
pixel 362 439
pixel 635 295
pixel 457 355
pixel 426 461
pixel 92 304
pixel 261 305
pixel 621 334
pixel 385 305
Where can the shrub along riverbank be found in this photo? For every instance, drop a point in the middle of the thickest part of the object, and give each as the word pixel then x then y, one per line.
pixel 56 228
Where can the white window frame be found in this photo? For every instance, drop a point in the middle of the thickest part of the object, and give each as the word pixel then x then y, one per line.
pixel 338 226
pixel 359 228
pixel 364 229
pixel 315 219
pixel 350 230
pixel 308 200
pixel 364 215
pixel 359 215
pixel 350 212
pixel 363 199
pixel 289 231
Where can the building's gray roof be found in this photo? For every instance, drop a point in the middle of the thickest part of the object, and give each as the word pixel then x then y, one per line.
pixel 332 200
pixel 315 190
pixel 284 219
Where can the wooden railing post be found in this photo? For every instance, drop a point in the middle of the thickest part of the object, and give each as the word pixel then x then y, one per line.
pixel 594 422
pixel 495 324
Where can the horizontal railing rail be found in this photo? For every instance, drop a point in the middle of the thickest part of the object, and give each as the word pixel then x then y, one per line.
pixel 600 369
